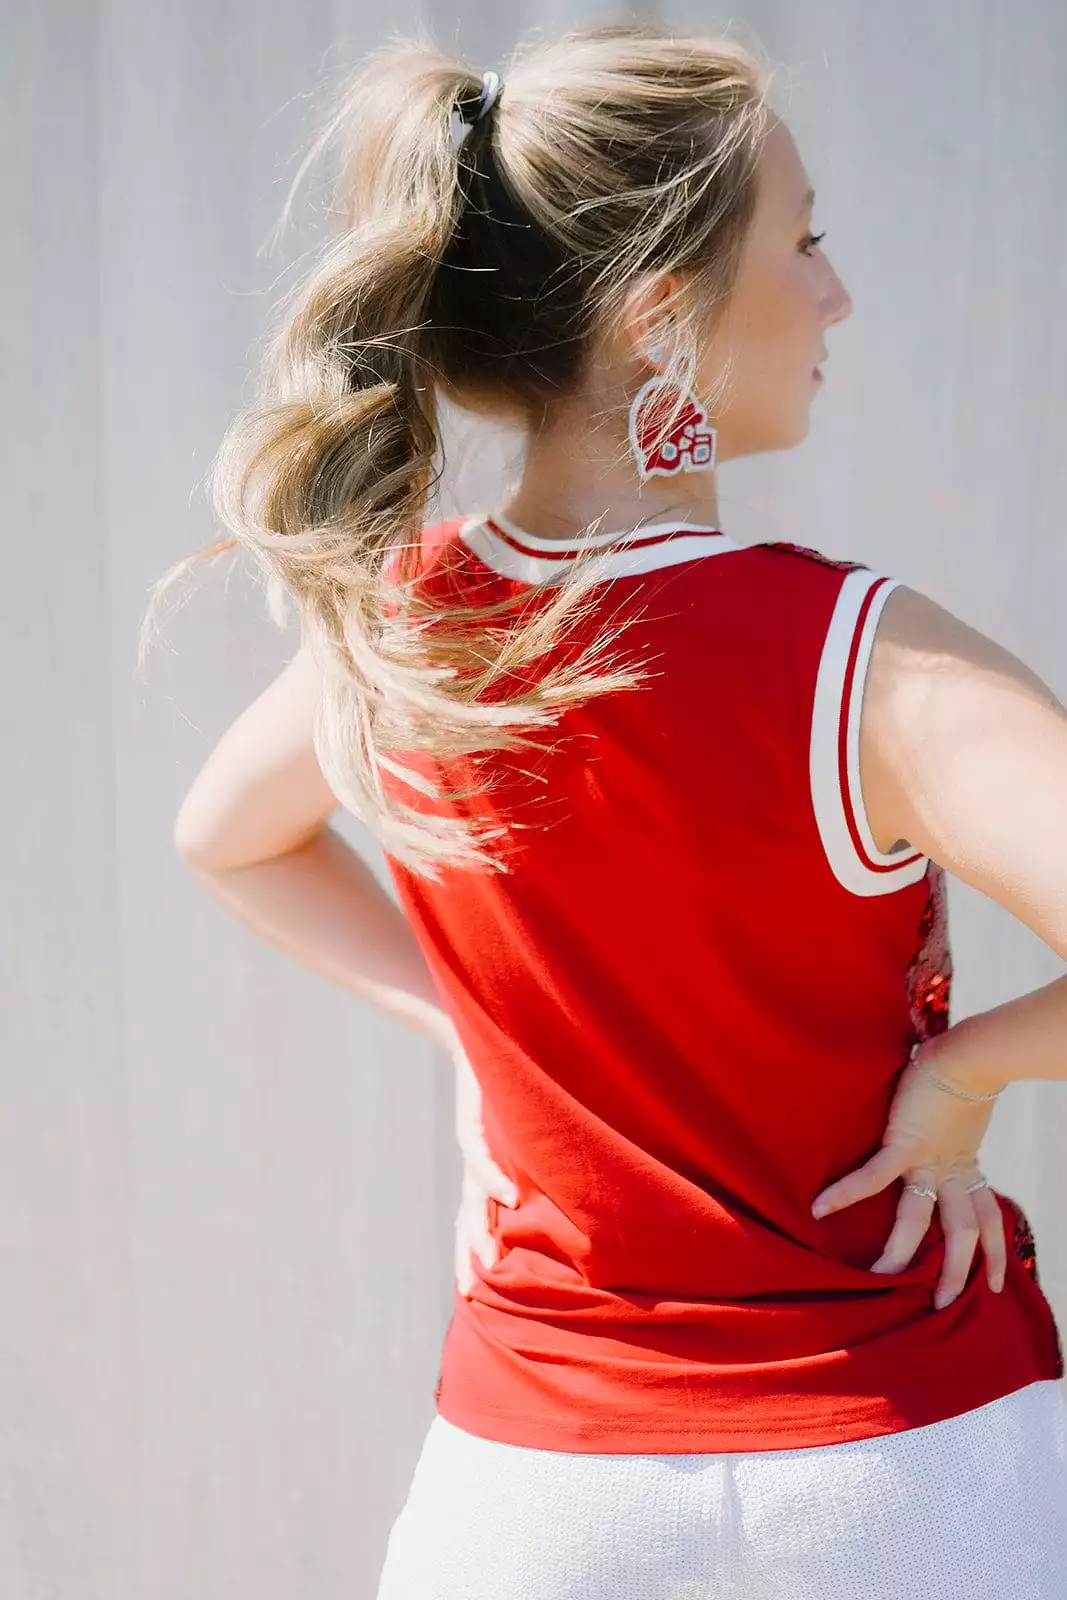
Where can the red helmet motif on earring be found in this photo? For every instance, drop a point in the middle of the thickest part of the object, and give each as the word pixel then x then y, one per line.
pixel 686 445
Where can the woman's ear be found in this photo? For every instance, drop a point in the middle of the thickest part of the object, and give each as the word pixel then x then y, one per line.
pixel 647 319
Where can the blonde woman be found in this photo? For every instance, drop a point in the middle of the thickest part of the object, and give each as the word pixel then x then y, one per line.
pixel 669 817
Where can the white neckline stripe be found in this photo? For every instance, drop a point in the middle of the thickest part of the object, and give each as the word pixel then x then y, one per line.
pixel 837 795
pixel 528 558
pixel 538 542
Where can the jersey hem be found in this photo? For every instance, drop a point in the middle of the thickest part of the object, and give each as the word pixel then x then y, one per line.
pixel 789 1432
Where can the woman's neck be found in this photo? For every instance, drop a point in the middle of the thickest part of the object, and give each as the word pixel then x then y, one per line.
pixel 576 474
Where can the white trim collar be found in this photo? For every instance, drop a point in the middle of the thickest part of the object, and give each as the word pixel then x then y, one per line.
pixel 530 558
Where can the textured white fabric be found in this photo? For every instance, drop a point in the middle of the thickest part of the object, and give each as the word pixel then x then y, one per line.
pixel 974 1508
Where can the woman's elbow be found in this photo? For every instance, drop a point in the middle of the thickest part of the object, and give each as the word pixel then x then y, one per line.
pixel 198 845
pixel 215 845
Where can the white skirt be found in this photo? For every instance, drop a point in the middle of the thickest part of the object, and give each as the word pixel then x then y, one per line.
pixel 973 1508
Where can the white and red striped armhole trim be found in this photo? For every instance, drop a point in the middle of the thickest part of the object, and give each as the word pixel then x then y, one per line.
pixel 856 862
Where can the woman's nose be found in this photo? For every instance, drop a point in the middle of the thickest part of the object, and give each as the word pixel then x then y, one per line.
pixel 838 304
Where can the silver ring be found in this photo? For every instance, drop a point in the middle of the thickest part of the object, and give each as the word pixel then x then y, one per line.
pixel 921 1188
pixel 982 1183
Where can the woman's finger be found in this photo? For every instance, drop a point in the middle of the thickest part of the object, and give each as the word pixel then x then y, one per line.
pixel 993 1236
pixel 874 1176
pixel 482 1170
pixel 473 1237
pixel 960 1227
pixel 463 1233
pixel 478 1162
pixel 912 1224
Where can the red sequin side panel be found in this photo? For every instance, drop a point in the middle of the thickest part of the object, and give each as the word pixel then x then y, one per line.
pixel 814 555
pixel 1022 1242
pixel 1023 1238
pixel 929 977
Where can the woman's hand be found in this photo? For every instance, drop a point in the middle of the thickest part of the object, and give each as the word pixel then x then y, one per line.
pixel 932 1138
pixel 482 1178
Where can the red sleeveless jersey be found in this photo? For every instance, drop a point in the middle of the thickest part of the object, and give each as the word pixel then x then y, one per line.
pixel 687 1004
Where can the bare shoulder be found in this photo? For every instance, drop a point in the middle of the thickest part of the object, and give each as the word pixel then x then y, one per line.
pixel 916 637
pixel 963 753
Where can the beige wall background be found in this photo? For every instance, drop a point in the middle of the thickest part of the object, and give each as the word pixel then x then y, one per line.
pixel 226 1189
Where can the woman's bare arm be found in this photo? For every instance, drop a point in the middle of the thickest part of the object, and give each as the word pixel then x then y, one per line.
pixel 963 753
pixel 254 829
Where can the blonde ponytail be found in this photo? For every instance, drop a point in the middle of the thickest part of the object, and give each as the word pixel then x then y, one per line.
pixel 588 170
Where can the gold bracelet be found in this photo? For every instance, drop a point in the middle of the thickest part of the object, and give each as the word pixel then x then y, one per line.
pixel 961 1094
